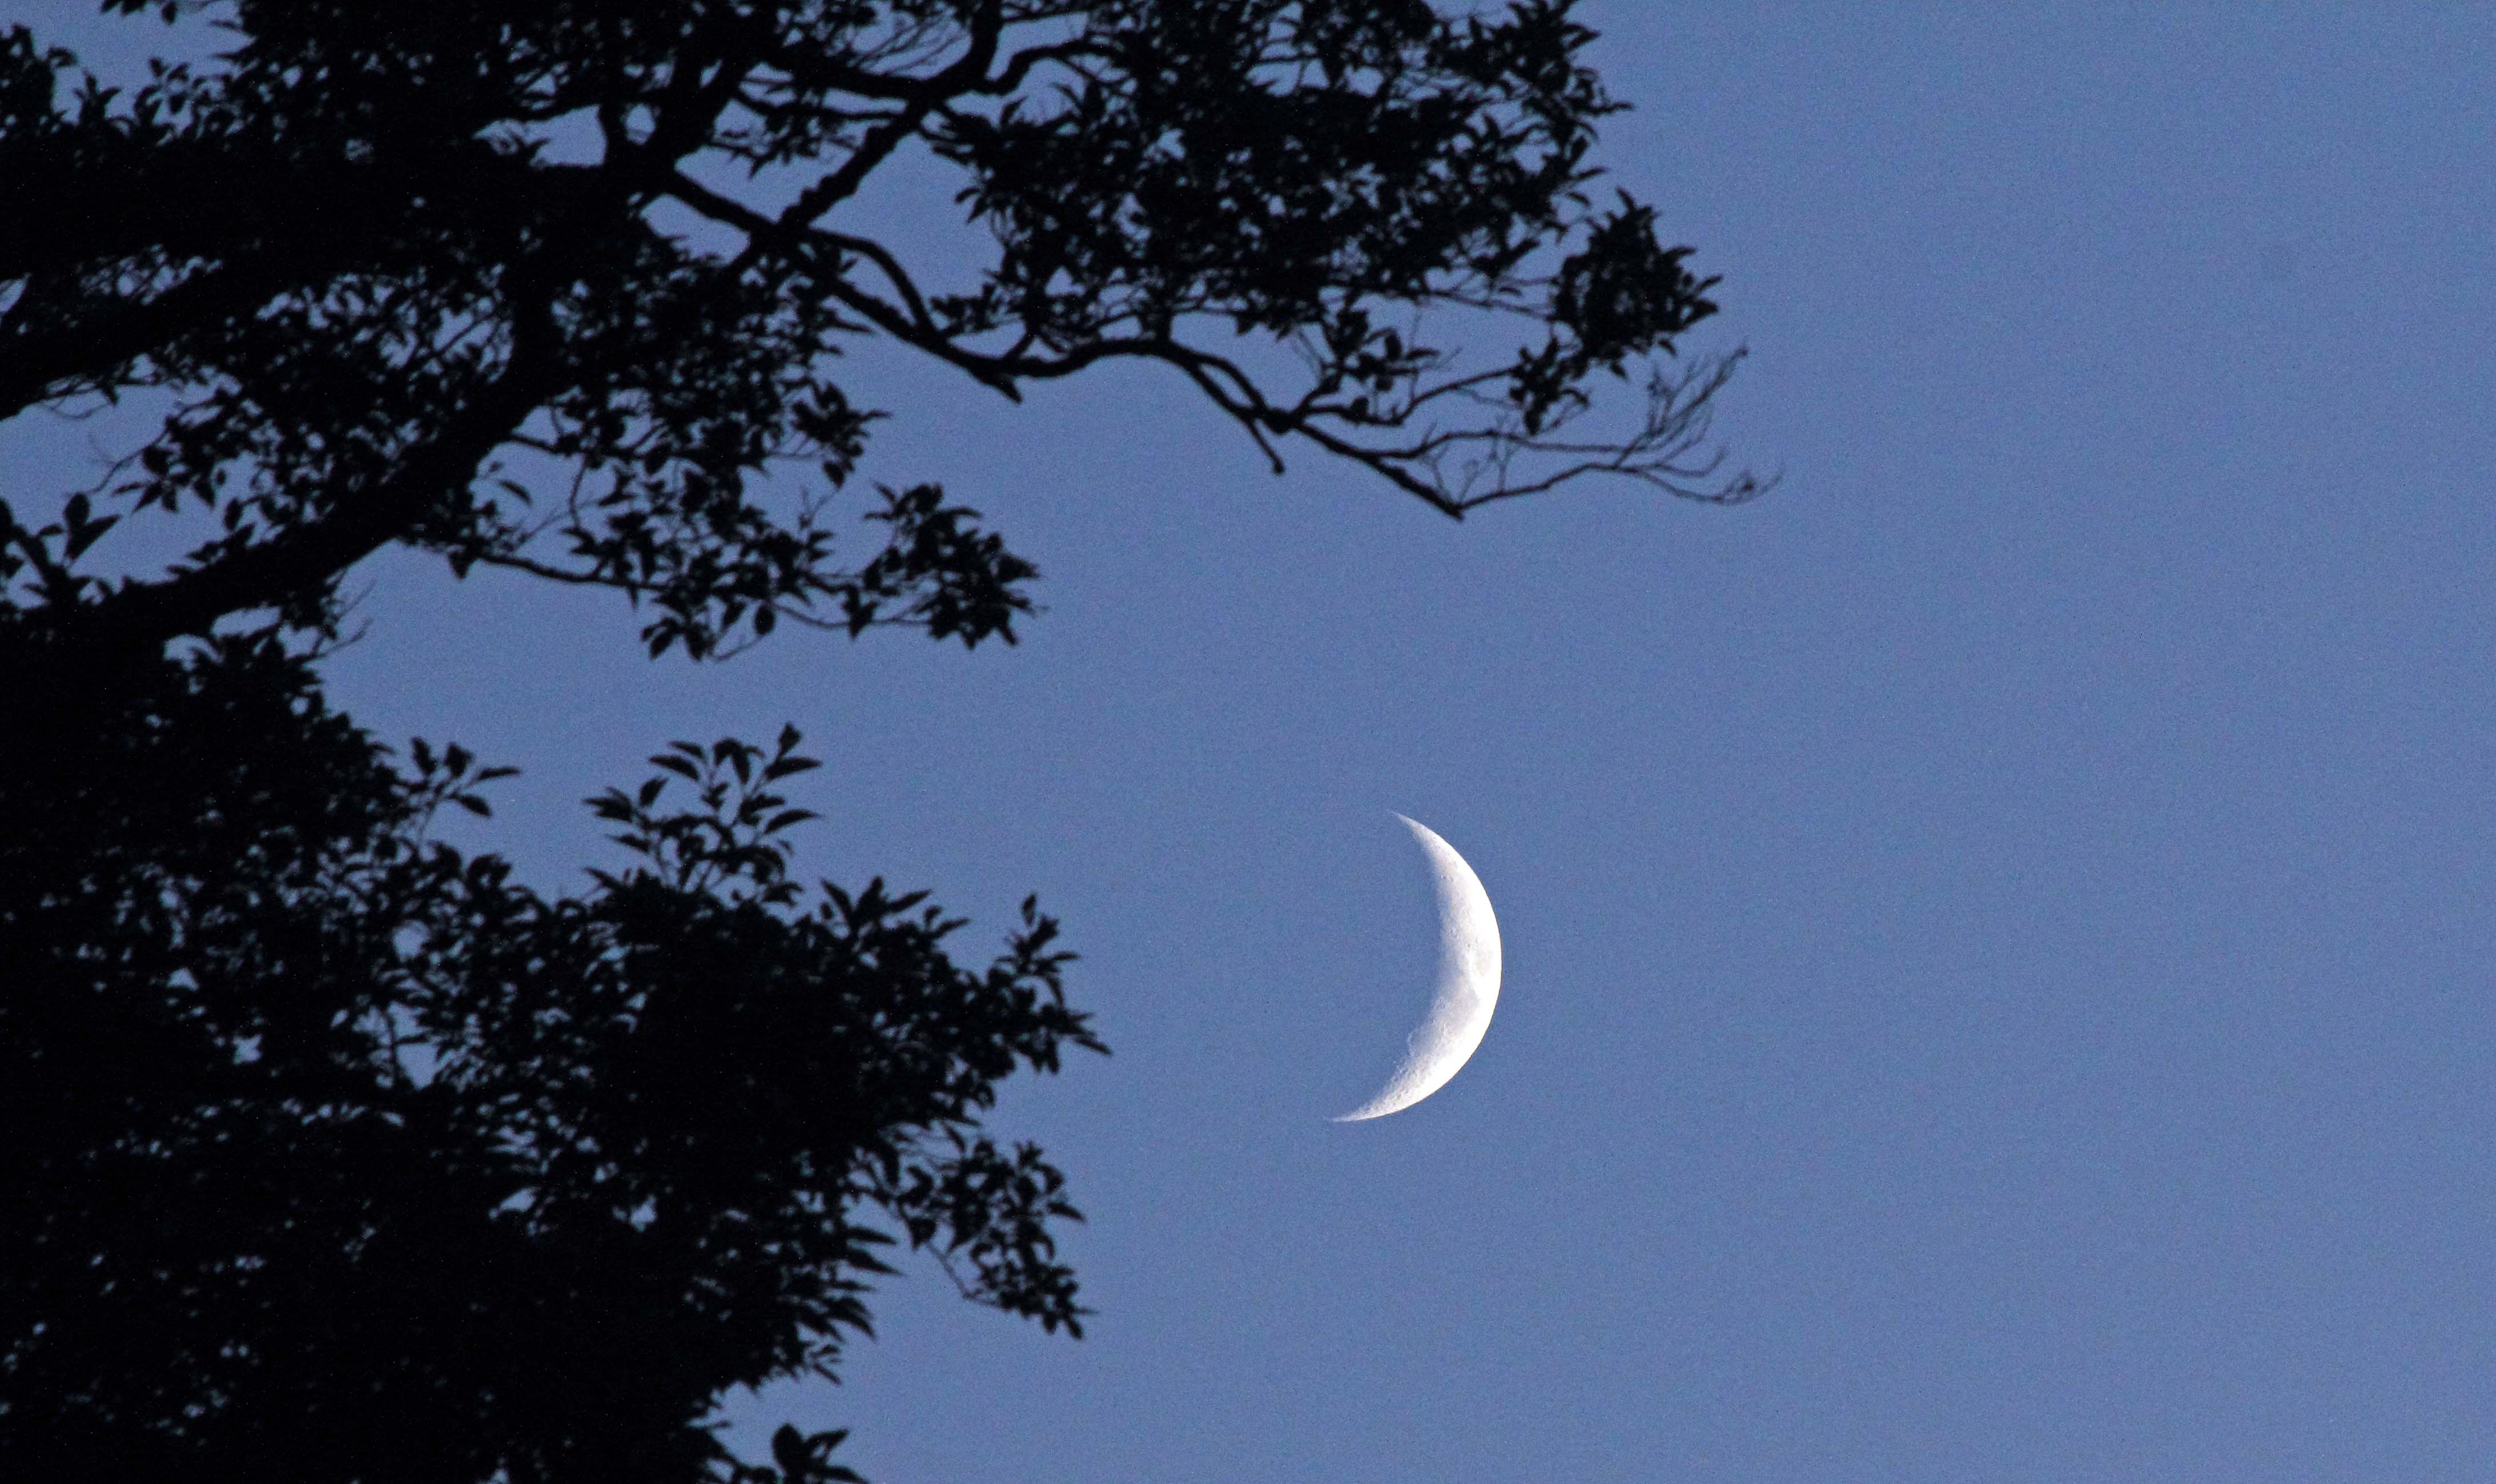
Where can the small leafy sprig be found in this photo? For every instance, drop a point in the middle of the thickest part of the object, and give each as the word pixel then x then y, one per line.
pixel 734 831
pixel 450 777
pixel 52 549
pixel 801 1458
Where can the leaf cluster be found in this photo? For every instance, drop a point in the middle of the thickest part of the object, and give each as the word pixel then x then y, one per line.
pixel 423 275
pixel 336 1148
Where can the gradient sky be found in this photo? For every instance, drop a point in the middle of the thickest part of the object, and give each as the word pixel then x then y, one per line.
pixel 1997 933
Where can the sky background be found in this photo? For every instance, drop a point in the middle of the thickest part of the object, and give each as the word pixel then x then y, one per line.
pixel 1997 932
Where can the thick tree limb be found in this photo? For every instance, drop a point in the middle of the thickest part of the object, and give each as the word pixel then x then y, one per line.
pixel 304 559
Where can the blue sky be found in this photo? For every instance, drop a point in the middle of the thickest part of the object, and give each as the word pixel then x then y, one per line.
pixel 1996 933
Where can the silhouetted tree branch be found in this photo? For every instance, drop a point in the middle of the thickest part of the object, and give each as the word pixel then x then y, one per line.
pixel 1156 179
pixel 336 1151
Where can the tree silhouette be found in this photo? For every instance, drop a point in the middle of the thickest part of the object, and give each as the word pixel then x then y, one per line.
pixel 335 1150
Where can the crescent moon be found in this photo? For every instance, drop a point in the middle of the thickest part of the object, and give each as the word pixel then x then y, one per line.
pixel 1468 984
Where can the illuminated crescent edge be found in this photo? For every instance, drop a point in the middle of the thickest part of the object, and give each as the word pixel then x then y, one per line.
pixel 1468 988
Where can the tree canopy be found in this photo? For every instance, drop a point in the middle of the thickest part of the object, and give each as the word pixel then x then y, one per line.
pixel 340 1151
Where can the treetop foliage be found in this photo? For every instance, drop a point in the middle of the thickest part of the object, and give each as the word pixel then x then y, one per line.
pixel 384 257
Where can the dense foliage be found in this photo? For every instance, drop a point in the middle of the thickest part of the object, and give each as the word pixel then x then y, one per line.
pixel 345 1155
pixel 338 1152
